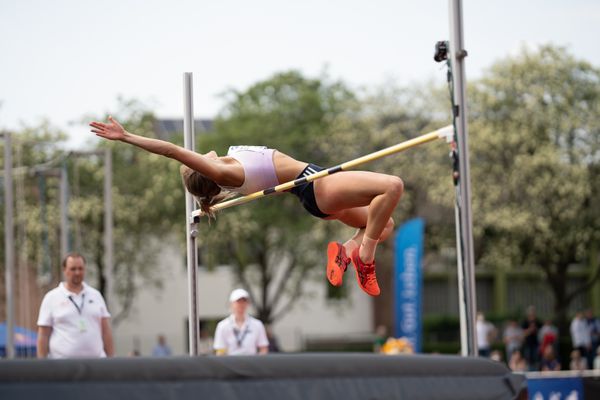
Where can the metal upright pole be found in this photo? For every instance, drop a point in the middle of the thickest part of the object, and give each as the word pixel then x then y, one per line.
pixel 108 227
pixel 191 227
pixel 465 249
pixel 460 275
pixel 64 210
pixel 9 245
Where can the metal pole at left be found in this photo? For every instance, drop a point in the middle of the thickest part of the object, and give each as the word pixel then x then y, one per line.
pixel 108 230
pixel 191 228
pixel 9 263
pixel 65 246
pixel 468 302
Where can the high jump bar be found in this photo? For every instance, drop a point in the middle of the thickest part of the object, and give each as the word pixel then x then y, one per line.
pixel 442 133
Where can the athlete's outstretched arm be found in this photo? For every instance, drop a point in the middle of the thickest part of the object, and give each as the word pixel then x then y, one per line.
pixel 114 131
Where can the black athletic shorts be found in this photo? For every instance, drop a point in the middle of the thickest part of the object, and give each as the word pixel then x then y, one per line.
pixel 306 192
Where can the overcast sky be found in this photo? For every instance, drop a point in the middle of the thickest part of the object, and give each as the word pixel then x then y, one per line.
pixel 62 59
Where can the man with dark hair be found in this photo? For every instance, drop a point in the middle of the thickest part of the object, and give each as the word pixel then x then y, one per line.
pixel 74 320
pixel 594 328
pixel 531 326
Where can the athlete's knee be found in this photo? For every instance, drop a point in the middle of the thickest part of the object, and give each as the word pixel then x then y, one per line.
pixel 395 186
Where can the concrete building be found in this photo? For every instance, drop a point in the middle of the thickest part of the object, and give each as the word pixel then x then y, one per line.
pixel 164 311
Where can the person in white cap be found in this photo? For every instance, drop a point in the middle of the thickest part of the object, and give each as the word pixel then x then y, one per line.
pixel 240 334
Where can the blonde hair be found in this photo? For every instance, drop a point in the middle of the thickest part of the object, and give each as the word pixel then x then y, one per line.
pixel 206 192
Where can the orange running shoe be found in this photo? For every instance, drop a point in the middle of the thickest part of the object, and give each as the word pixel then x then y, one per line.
pixel 365 275
pixel 337 263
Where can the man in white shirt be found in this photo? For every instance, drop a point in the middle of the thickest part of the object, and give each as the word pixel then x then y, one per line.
pixel 580 334
pixel 486 333
pixel 73 320
pixel 513 338
pixel 240 334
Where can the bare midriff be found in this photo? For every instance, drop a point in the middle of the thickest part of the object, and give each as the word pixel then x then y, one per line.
pixel 286 167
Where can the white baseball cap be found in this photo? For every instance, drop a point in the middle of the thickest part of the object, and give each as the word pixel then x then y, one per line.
pixel 238 294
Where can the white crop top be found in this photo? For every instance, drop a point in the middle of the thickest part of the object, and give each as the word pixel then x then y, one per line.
pixel 259 170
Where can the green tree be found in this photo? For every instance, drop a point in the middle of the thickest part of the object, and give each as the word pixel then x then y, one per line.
pixel 148 207
pixel 395 114
pixel 535 157
pixel 386 116
pixel 535 144
pixel 273 245
pixel 36 232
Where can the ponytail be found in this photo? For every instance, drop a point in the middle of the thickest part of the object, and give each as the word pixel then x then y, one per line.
pixel 206 203
pixel 205 191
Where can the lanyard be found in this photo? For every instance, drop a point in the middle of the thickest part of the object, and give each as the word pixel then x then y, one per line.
pixel 240 339
pixel 79 308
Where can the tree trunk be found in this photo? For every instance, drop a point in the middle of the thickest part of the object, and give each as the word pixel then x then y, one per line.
pixel 558 283
pixel 561 317
pixel 99 256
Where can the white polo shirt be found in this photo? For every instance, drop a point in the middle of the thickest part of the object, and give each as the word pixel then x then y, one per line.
pixel 76 321
pixel 483 329
pixel 243 340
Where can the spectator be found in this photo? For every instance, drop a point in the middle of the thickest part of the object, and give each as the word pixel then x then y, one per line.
pixel 240 334
pixel 485 335
pixel 580 335
pixel 548 336
pixel 597 359
pixel 273 341
pixel 594 327
pixel 496 355
pixel 161 349
pixel 517 363
pixel 205 346
pixel 531 325
pixel 380 338
pixel 549 361
pixel 73 319
pixel 512 338
pixel 134 353
pixel 578 363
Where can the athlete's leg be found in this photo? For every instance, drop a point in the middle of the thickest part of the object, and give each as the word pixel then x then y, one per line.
pixel 345 190
pixel 338 255
pixel 357 218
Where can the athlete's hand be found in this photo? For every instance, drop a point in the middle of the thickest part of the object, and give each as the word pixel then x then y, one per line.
pixel 112 131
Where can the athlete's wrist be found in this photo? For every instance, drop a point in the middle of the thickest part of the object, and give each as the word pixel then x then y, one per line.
pixel 127 136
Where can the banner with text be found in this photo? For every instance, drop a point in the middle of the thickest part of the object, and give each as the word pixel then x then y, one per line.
pixel 408 278
pixel 552 388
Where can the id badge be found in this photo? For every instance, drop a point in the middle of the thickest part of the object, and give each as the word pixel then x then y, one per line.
pixel 82 325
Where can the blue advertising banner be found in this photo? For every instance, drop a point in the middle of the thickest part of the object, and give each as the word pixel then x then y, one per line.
pixel 555 388
pixel 408 278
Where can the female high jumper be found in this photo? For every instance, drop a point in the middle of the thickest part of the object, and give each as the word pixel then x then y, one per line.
pixel 360 199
